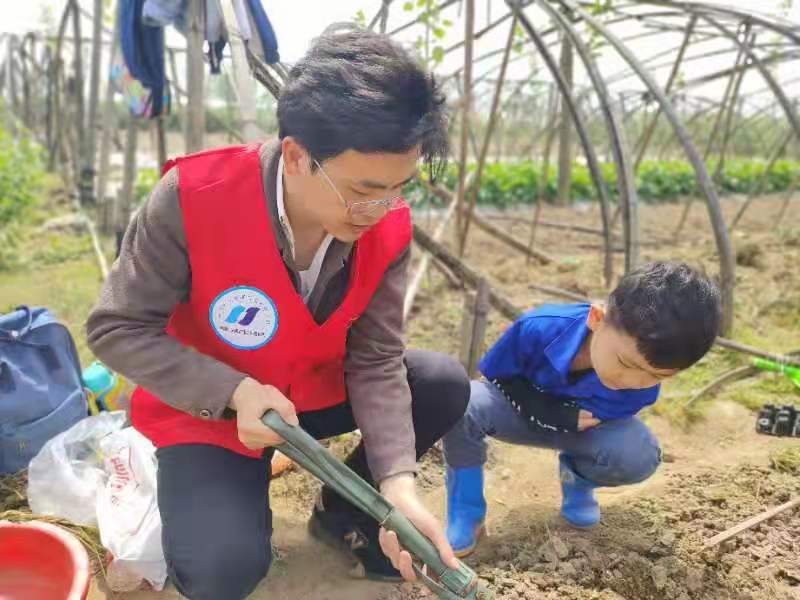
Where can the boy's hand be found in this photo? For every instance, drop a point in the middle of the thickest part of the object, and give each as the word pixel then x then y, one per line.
pixel 586 420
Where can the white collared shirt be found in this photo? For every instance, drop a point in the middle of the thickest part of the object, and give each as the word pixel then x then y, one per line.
pixel 308 278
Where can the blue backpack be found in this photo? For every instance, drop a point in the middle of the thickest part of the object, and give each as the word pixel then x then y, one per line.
pixel 41 392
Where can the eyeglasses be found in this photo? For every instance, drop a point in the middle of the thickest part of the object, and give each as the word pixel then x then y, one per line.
pixel 366 208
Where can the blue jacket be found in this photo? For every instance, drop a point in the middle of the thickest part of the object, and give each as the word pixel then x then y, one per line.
pixel 541 346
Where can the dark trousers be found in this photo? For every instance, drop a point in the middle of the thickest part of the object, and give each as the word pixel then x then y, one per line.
pixel 214 503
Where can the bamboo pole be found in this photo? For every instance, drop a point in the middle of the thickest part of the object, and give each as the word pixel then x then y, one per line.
pixel 196 121
pixel 565 128
pixel 758 188
pixel 548 147
pixel 109 124
pixel 94 97
pixel 122 212
pixel 83 166
pixel 648 135
pixel 416 280
pixel 469 26
pixel 245 89
pixel 731 110
pixel 476 182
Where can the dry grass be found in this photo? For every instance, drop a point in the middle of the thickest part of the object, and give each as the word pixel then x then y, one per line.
pixel 786 460
pixel 14 508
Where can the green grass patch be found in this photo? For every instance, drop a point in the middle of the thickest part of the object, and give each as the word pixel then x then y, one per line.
pixel 68 289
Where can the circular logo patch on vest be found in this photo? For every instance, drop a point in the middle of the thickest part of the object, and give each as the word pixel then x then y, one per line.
pixel 244 317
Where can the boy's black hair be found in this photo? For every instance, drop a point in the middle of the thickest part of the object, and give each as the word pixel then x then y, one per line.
pixel 361 90
pixel 672 310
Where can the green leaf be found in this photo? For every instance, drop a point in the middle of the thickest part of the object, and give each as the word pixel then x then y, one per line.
pixel 439 32
pixel 408 6
pixel 437 54
pixel 447 23
pixel 421 3
pixel 361 18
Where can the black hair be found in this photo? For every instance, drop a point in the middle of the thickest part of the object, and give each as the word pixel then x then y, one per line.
pixel 361 90
pixel 672 310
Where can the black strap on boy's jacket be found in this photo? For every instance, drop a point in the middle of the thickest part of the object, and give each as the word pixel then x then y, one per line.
pixel 539 408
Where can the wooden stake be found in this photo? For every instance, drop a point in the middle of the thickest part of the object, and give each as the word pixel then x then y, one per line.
pixel 244 83
pixel 467 324
pixel 94 99
pixel 196 119
pixel 469 25
pixel 552 109
pixel 416 281
pixel 476 182
pixel 473 326
pixel 565 129
pixel 122 214
pixel 751 522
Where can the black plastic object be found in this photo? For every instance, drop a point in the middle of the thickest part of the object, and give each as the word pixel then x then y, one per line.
pixel 785 419
pixel 766 419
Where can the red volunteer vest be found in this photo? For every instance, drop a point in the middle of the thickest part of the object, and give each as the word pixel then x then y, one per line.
pixel 243 308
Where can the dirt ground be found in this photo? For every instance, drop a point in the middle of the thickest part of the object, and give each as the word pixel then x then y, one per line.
pixel 716 473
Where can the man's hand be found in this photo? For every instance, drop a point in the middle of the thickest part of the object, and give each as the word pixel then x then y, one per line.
pixel 400 490
pixel 586 420
pixel 251 400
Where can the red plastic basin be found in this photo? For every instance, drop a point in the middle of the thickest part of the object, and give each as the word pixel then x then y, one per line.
pixel 39 561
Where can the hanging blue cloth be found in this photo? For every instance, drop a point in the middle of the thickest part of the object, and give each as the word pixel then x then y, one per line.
pixel 266 35
pixel 143 52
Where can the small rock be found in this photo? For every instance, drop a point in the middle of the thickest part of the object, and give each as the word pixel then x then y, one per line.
pixel 568 570
pixel 506 474
pixel 560 548
pixel 506 582
pixel 694 580
pixel 660 576
pixel 668 539
pixel 547 554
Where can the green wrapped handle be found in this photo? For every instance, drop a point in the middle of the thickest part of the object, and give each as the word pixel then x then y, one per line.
pixel 447 583
pixel 793 373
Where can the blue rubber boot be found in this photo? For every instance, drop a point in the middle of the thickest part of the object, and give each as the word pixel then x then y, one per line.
pixel 466 508
pixel 578 504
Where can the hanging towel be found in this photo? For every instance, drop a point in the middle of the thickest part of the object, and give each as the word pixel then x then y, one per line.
pixel 266 43
pixel 143 52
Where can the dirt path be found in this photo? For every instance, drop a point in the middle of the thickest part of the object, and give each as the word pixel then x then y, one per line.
pixel 643 538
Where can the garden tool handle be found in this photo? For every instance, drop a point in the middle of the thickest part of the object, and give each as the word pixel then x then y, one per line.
pixel 450 584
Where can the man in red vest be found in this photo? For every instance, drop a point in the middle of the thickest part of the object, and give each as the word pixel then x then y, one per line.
pixel 272 277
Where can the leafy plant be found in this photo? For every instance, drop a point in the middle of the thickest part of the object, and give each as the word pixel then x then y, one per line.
pixel 21 175
pixel 146 180
pixel 431 17
pixel 509 183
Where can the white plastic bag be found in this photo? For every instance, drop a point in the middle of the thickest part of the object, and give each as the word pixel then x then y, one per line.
pixel 127 511
pixel 64 478
pixel 101 474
